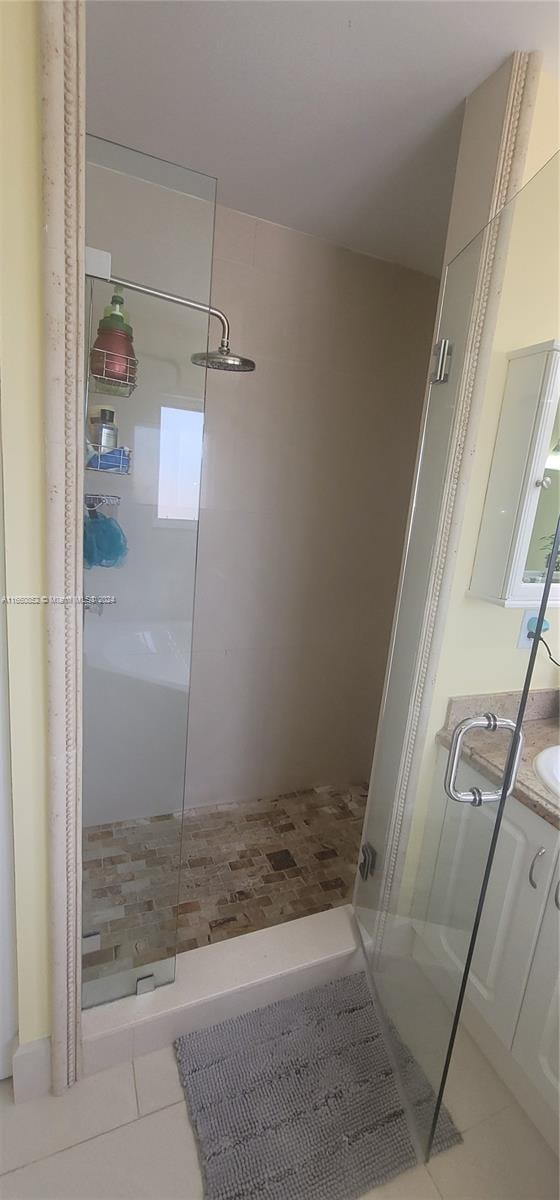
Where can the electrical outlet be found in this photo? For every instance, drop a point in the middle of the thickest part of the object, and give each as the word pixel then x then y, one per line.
pixel 528 624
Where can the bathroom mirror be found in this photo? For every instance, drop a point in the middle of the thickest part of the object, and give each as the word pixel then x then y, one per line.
pixel 538 553
pixel 523 495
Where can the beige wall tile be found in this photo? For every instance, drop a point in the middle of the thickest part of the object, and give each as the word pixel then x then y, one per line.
pixel 234 235
pixel 307 473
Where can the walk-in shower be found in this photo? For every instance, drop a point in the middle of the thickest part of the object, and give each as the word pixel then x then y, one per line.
pixel 267 827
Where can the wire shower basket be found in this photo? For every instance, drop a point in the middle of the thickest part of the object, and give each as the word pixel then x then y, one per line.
pixel 114 462
pixel 114 374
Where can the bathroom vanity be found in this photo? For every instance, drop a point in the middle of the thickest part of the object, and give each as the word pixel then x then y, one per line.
pixel 512 999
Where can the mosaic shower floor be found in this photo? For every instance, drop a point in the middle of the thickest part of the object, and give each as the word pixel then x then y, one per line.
pixel 245 866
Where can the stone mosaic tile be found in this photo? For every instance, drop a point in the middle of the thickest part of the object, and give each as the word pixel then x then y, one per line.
pixel 245 866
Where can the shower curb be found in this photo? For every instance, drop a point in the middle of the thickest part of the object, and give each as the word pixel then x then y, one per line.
pixel 220 981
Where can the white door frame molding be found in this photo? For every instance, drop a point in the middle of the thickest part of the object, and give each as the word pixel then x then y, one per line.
pixel 63 92
pixel 8 956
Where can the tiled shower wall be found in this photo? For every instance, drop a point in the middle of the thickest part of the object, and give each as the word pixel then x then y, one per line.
pixel 306 484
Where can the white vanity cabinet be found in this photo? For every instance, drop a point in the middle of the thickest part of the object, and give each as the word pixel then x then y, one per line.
pixel 521 505
pixel 536 1041
pixel 512 999
pixel 524 862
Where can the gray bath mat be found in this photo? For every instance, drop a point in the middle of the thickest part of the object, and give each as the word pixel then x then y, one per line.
pixel 297 1101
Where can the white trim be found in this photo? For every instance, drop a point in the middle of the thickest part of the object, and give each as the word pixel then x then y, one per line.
pixel 32 1070
pixel 539 348
pixel 8 956
pixel 63 79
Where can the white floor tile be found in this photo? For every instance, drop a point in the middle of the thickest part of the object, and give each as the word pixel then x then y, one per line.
pixel 502 1158
pixel 473 1091
pixel 412 1185
pixel 38 1127
pixel 157 1080
pixel 154 1158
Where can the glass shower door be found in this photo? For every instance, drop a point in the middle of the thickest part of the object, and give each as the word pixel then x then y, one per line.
pixel 143 459
pixel 450 734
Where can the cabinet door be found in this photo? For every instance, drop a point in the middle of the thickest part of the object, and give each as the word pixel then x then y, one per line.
pixel 513 908
pixel 536 1042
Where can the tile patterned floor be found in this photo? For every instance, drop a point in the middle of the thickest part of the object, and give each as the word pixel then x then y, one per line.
pixel 124 1133
pixel 244 867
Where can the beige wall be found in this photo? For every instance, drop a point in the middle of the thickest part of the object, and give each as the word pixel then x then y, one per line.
pixel 544 141
pixel 479 652
pixel 308 465
pixel 22 449
pixel 475 175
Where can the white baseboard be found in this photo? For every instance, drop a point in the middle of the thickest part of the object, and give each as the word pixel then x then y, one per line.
pixel 220 981
pixel 31 1065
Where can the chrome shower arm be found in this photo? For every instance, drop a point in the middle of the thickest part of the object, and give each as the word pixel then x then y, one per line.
pixel 221 359
pixel 194 304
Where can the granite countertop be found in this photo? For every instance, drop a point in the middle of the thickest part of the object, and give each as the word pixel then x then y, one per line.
pixel 488 751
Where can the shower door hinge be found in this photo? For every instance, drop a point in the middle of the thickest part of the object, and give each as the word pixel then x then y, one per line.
pixel 145 983
pixel 367 865
pixel 442 352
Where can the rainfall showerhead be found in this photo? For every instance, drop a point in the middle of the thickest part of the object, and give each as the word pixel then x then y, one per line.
pixel 222 360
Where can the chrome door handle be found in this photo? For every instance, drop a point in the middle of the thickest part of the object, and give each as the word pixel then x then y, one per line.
pixel 557 896
pixel 442 352
pixel 538 855
pixel 475 795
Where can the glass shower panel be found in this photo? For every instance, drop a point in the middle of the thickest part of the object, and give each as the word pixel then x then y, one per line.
pixel 143 455
pixel 432 825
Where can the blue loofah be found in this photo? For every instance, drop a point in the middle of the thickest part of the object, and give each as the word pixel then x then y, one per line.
pixel 105 544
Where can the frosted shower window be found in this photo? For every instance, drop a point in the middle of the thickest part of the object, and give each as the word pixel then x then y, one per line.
pixel 180 456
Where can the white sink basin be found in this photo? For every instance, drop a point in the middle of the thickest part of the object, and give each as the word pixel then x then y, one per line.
pixel 547 766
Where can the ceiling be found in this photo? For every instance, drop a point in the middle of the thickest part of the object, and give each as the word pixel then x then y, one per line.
pixel 337 118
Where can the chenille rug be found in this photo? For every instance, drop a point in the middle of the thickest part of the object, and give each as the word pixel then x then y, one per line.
pixel 297 1101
